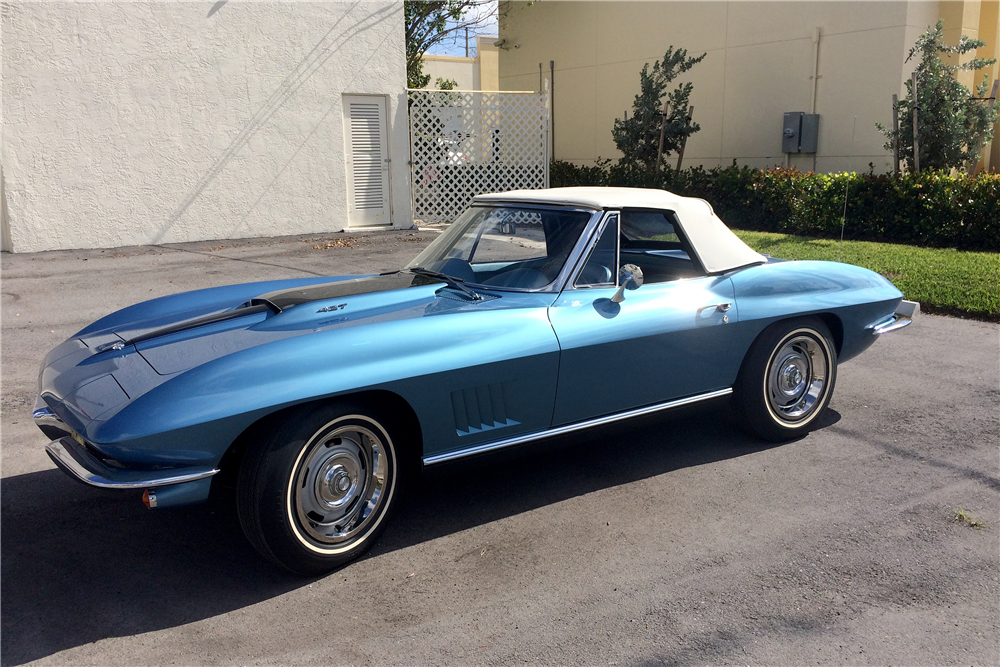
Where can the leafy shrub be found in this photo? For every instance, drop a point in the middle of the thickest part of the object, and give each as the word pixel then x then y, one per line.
pixel 638 137
pixel 954 122
pixel 930 209
pixel 566 174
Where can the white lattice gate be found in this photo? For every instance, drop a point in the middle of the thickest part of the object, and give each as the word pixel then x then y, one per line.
pixel 467 143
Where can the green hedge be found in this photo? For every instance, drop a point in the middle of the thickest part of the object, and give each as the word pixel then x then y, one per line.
pixel 928 209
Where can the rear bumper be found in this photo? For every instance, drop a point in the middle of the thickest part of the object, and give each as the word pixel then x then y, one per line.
pixel 904 316
pixel 76 461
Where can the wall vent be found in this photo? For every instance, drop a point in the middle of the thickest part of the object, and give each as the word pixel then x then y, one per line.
pixel 367 154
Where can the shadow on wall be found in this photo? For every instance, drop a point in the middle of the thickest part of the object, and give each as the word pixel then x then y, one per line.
pixel 334 40
pixel 5 244
pixel 216 7
pixel 81 565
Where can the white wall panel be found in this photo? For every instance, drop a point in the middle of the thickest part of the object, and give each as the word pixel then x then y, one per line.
pixel 154 122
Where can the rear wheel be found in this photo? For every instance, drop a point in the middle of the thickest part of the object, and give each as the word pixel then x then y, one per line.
pixel 316 487
pixel 786 380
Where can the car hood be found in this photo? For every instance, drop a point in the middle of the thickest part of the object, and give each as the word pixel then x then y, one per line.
pixel 243 311
pixel 129 352
pixel 173 342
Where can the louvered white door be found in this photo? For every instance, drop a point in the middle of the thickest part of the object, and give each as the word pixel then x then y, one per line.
pixel 367 151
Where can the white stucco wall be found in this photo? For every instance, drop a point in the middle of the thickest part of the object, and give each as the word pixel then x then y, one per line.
pixel 151 122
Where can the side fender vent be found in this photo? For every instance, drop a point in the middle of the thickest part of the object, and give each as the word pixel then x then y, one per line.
pixel 482 408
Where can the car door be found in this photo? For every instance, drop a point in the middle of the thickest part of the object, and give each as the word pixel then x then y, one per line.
pixel 667 340
pixel 493 358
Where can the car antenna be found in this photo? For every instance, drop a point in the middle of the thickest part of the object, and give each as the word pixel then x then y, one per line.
pixel 843 218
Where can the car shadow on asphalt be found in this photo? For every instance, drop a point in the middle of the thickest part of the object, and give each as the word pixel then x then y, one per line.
pixel 81 565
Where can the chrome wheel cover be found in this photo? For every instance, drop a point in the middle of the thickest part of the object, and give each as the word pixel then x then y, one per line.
pixel 340 484
pixel 796 379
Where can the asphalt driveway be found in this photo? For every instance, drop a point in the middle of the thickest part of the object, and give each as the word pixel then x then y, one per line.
pixel 674 539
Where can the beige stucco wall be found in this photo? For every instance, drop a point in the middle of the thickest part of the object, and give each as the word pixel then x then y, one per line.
pixel 460 69
pixel 478 73
pixel 134 123
pixel 759 65
pixel 487 59
pixel 990 32
pixel 979 20
pixel 960 18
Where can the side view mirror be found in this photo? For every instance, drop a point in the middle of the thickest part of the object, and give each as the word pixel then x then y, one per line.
pixel 629 277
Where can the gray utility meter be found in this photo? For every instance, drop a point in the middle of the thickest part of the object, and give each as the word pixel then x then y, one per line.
pixel 800 133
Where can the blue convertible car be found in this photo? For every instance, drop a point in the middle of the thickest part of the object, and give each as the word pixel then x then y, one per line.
pixel 316 398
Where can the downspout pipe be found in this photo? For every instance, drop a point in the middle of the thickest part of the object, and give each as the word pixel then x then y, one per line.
pixel 552 103
pixel 815 76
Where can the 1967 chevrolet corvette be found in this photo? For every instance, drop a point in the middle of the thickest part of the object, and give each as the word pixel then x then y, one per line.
pixel 316 398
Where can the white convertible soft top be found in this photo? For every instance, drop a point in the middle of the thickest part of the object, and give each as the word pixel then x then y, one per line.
pixel 716 246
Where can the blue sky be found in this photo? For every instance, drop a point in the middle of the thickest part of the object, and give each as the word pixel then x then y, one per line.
pixel 456 45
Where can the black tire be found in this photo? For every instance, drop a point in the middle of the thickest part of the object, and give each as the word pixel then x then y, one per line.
pixel 317 485
pixel 787 380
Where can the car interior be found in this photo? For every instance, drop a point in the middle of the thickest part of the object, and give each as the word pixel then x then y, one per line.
pixel 526 248
pixel 648 239
pixel 517 248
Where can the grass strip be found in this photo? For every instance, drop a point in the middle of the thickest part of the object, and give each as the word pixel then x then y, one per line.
pixel 944 281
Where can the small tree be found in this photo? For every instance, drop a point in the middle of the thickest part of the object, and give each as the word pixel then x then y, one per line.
pixel 953 127
pixel 431 22
pixel 638 137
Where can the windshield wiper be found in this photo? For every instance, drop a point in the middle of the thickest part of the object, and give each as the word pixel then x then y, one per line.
pixel 457 283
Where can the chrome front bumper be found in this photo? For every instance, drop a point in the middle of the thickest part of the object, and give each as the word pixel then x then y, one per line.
pixel 48 421
pixel 905 313
pixel 74 459
pixel 80 463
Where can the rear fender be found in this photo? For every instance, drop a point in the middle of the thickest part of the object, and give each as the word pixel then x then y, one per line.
pixel 847 297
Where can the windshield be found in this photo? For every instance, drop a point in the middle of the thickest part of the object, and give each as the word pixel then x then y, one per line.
pixel 505 246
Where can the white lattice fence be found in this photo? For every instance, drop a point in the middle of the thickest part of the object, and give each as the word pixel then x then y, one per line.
pixel 468 143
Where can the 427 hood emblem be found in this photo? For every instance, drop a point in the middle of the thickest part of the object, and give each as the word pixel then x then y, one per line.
pixel 339 306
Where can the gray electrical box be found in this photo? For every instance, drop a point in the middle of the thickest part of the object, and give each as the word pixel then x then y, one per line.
pixel 791 131
pixel 800 132
pixel 809 136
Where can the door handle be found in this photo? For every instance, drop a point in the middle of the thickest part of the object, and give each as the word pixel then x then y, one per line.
pixel 723 307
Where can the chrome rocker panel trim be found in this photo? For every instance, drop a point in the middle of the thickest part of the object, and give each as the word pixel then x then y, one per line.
pixel 569 428
pixel 84 466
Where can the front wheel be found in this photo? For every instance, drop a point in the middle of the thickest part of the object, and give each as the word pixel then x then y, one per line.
pixel 315 487
pixel 786 380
